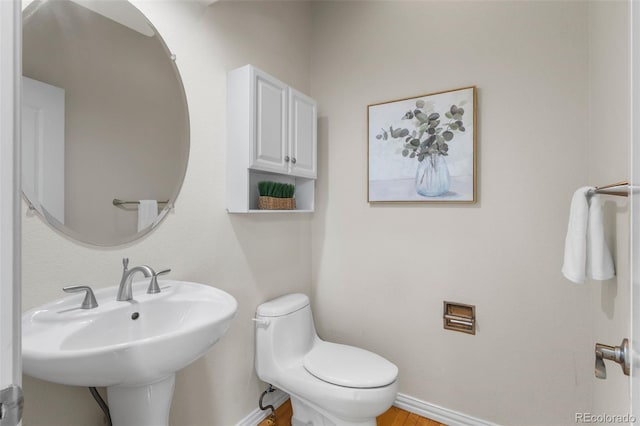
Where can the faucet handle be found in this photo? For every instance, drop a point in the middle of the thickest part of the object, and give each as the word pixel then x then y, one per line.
pixel 153 285
pixel 125 263
pixel 89 301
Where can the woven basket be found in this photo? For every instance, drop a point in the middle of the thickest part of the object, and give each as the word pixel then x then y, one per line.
pixel 272 203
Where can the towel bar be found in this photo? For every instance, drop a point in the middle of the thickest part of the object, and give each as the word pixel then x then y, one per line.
pixel 620 189
pixel 117 202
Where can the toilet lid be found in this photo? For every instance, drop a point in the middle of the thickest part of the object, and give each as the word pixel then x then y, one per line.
pixel 348 366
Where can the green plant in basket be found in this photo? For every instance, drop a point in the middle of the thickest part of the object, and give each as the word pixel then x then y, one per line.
pixel 276 189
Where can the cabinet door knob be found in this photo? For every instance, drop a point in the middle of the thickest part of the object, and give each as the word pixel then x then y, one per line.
pixel 293 160
pixel 286 159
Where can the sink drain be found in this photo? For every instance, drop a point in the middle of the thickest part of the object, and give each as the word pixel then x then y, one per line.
pixel 135 316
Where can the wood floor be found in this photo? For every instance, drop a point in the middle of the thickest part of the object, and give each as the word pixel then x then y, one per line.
pixel 392 417
pixel 395 416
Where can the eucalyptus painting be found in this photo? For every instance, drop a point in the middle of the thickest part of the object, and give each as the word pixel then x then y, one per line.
pixel 423 148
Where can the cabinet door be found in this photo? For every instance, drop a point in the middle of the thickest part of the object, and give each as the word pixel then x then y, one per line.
pixel 303 114
pixel 270 138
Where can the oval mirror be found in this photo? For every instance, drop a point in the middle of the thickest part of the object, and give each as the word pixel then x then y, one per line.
pixel 105 134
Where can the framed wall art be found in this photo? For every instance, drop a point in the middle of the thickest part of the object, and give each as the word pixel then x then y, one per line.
pixel 423 149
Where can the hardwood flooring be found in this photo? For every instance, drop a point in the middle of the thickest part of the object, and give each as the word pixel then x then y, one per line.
pixel 392 417
pixel 283 416
pixel 395 416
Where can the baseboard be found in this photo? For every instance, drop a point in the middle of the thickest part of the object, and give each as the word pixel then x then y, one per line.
pixel 276 399
pixel 406 402
pixel 437 413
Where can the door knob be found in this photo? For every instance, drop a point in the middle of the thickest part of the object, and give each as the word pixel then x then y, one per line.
pixel 619 354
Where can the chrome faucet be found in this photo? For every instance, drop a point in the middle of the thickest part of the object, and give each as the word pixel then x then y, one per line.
pixel 124 291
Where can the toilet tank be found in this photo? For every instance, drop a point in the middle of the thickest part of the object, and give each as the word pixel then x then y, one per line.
pixel 285 332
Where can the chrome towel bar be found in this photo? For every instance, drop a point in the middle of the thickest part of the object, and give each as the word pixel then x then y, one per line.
pixel 117 202
pixel 620 189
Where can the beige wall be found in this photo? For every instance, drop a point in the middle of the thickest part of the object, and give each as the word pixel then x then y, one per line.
pixel 378 274
pixel 609 136
pixel 381 272
pixel 125 122
pixel 252 257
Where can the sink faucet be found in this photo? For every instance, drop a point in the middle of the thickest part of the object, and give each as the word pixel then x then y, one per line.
pixel 124 291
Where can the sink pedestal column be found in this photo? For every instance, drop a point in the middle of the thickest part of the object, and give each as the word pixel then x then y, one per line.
pixel 144 405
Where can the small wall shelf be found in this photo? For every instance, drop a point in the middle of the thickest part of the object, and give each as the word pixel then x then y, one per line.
pixel 305 190
pixel 278 211
pixel 272 136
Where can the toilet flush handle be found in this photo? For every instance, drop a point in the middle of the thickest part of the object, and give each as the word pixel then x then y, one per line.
pixel 261 322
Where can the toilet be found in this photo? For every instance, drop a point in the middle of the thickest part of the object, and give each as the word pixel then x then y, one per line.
pixel 329 384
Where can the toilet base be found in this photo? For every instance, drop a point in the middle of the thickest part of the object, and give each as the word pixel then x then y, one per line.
pixel 306 415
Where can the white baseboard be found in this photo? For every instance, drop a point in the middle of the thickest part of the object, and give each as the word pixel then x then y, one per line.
pixel 276 399
pixel 437 413
pixel 406 402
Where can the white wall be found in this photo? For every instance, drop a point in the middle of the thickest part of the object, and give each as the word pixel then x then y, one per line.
pixel 378 274
pixel 381 272
pixel 609 136
pixel 252 257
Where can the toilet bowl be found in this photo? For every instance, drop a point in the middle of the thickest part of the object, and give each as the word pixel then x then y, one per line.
pixel 329 384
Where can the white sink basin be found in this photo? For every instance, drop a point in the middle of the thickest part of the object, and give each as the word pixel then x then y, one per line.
pixel 128 345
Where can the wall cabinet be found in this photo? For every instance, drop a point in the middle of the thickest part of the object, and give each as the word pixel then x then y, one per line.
pixel 271 135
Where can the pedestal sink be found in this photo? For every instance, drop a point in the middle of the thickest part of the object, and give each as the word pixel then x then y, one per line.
pixel 133 348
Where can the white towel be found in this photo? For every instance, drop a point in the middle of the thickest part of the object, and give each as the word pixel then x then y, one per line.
pixel 586 252
pixel 147 213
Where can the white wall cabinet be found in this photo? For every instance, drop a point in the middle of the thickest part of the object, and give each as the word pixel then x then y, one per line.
pixel 271 135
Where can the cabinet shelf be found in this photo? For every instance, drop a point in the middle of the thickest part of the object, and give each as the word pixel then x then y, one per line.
pixel 278 211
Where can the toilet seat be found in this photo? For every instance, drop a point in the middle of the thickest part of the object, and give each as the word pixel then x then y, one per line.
pixel 349 366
